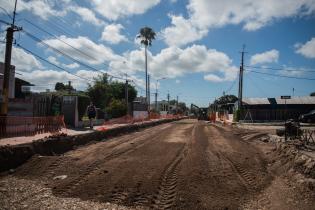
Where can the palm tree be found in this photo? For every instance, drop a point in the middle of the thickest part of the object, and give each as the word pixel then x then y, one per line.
pixel 146 35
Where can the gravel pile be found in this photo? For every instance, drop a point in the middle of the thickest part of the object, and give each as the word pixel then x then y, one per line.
pixel 26 194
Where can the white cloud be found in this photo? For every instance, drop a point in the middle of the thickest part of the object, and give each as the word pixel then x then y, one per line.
pixel 181 32
pixel 22 60
pixel 41 8
pixel 206 14
pixel 54 60
pixel 112 34
pixel 71 65
pixel 173 62
pixel 87 15
pixel 270 56
pixel 307 49
pixel 213 78
pixel 115 9
pixel 46 79
pixel 90 52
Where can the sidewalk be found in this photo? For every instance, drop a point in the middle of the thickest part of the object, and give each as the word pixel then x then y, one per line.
pixel 69 132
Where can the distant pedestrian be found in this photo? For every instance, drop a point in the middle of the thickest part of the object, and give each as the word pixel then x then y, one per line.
pixel 91 112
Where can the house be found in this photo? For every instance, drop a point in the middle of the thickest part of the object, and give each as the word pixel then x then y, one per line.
pixel 139 108
pixel 275 109
pixel 162 106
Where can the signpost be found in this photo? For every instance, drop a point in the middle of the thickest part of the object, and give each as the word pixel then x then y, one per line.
pixel 285 113
pixel 285 97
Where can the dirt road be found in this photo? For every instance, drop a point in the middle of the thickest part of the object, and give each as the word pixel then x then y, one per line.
pixel 180 165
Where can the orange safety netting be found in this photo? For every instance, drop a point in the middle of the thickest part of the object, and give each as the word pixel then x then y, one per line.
pixel 14 126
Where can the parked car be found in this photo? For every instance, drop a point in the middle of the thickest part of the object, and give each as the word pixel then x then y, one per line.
pixel 309 117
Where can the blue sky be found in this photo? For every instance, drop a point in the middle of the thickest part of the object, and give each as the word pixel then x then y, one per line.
pixel 196 48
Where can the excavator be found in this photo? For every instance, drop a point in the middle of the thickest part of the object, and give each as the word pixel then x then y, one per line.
pixel 200 113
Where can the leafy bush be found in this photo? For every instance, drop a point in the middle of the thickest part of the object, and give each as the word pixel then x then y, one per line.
pixel 117 108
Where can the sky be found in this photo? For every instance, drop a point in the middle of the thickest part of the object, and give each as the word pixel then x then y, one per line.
pixel 197 46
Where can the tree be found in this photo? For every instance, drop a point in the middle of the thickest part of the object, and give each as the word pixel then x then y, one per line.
pixel 118 91
pixel 146 35
pixel 225 99
pixel 103 93
pixel 312 94
pixel 99 91
pixel 59 86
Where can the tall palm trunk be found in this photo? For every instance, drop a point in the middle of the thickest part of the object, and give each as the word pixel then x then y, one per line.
pixel 146 77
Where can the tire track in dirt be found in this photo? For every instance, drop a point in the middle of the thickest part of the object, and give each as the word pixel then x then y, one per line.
pixel 166 195
pixel 250 183
pixel 247 177
pixel 94 167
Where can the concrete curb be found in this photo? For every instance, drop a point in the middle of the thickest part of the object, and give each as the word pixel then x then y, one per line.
pixel 15 155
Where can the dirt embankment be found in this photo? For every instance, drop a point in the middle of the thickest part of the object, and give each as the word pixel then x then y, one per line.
pixel 15 155
pixel 179 165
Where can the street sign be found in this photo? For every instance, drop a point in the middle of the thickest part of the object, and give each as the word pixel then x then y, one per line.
pixel 285 97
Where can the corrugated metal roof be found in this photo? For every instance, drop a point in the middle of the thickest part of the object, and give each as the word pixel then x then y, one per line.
pixel 297 100
pixel 293 100
pixel 255 101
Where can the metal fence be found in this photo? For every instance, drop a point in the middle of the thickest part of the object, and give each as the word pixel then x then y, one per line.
pixel 12 126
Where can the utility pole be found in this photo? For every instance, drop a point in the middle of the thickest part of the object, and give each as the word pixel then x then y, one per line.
pixel 149 103
pixel 7 64
pixel 176 104
pixel 126 93
pixel 240 83
pixel 156 105
pixel 69 87
pixel 168 102
pixel 146 74
pixel 156 92
pixel 293 92
pixel 126 96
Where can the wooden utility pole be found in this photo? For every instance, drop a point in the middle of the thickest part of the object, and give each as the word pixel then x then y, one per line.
pixel 168 102
pixel 126 94
pixel 7 64
pixel 148 93
pixel 176 104
pixel 240 83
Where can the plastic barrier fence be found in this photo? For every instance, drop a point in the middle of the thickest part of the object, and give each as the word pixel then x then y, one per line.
pixel 11 126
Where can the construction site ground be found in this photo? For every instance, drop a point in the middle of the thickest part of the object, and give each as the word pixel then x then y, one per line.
pixel 187 164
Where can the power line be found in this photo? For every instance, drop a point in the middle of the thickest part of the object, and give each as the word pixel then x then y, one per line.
pixel 277 75
pixel 59 29
pixel 43 59
pixel 232 85
pixel 80 51
pixel 68 56
pixel 6 12
pixel 257 86
pixel 281 69
pixel 77 49
pixel 5 22
pixel 38 27
pixel 66 23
